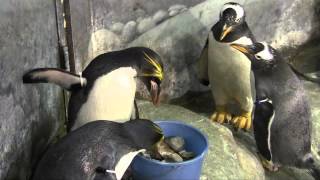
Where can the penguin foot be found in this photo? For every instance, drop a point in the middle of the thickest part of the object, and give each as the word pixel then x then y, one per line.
pixel 269 165
pixel 243 121
pixel 220 116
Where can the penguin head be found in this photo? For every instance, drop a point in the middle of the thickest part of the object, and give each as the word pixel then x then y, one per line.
pixel 232 15
pixel 260 54
pixel 150 71
pixel 144 133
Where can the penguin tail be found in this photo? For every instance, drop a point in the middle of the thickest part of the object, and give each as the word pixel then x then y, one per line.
pixel 304 76
pixel 65 79
pixel 315 172
pixel 313 165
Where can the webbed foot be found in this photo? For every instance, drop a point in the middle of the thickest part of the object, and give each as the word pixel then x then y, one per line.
pixel 269 165
pixel 243 121
pixel 220 115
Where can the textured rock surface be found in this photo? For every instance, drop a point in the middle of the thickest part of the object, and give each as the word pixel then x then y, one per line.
pixel 101 41
pixel 29 113
pixel 183 45
pixel 179 39
pixel 146 24
pixel 129 31
pixel 202 104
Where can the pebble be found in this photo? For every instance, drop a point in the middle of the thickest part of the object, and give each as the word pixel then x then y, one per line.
pixel 177 7
pixel 117 27
pixel 170 150
pixel 129 31
pixel 173 13
pixel 186 155
pixel 167 153
pixel 160 16
pixel 175 142
pixel 145 25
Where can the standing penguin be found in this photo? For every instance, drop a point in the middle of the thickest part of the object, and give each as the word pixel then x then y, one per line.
pixel 281 124
pixel 107 87
pixel 97 150
pixel 226 69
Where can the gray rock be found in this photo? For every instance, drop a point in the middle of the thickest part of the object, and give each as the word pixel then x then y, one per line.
pixel 160 16
pixel 289 25
pixel 117 27
pixel 140 12
pixel 139 19
pixel 176 143
pixel 167 153
pixel 186 155
pixel 145 25
pixel 173 13
pixel 177 7
pixel 102 41
pixel 30 115
pixel 129 31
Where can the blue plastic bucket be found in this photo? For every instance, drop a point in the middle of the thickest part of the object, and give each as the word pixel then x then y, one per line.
pixel 149 169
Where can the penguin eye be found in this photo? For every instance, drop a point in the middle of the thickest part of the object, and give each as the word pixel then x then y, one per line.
pixel 257 56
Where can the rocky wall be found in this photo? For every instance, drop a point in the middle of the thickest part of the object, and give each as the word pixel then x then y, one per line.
pixel 29 114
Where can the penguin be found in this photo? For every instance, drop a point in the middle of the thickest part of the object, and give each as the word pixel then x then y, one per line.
pixel 228 70
pixel 281 123
pixel 107 86
pixel 98 150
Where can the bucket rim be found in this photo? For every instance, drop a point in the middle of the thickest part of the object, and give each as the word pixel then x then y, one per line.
pixel 197 158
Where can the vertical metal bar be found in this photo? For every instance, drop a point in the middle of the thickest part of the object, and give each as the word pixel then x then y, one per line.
pixel 63 48
pixel 68 22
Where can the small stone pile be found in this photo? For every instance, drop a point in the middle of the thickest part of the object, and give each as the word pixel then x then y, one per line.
pixel 172 149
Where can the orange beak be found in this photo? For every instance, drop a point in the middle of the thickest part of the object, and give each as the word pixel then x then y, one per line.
pixel 241 48
pixel 225 31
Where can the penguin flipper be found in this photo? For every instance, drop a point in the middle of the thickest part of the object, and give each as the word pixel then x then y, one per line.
pixel 135 115
pixel 203 65
pixel 65 79
pixel 263 119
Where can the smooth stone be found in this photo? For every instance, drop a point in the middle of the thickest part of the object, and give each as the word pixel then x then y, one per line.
pixel 177 7
pixel 145 25
pixel 129 31
pixel 160 16
pixel 175 142
pixel 173 13
pixel 117 27
pixel 186 155
pixel 167 153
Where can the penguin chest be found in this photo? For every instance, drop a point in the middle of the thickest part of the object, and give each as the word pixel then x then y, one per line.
pixel 229 73
pixel 111 98
pixel 226 62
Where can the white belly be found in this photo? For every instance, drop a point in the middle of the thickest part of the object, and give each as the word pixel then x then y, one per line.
pixel 111 98
pixel 229 72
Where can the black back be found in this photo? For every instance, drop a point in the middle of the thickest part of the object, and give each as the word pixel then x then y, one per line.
pixel 96 144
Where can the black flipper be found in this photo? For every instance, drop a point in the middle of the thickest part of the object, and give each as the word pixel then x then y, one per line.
pixel 65 79
pixel 136 109
pixel 203 65
pixel 135 115
pixel 304 76
pixel 263 118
